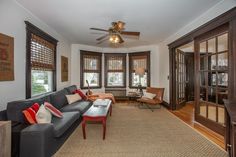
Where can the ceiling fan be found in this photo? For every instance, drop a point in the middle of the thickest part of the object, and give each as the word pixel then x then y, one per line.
pixel 114 33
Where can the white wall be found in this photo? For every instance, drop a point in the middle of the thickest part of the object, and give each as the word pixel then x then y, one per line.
pixel 13 16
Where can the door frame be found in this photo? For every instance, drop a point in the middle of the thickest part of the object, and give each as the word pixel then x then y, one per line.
pixel 227 17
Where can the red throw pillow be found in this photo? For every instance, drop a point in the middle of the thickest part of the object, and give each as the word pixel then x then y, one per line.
pixel 30 113
pixel 53 110
pixel 81 94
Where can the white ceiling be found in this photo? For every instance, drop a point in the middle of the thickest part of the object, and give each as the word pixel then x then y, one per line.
pixel 155 19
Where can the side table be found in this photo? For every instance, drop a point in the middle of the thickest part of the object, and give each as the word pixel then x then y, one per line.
pixel 5 138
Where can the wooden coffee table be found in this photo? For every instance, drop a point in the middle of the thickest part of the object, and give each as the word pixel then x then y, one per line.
pixel 97 113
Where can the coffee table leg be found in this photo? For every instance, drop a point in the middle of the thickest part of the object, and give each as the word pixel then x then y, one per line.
pixel 110 110
pixel 104 128
pixel 83 127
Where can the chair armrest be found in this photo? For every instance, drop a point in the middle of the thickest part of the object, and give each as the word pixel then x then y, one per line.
pixel 37 140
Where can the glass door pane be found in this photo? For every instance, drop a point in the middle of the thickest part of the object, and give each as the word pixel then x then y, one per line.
pixel 213 77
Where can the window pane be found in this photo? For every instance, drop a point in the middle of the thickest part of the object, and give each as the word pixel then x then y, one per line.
pixel 223 61
pixel 222 79
pixel 136 80
pixel 212 62
pixel 41 82
pixel 93 79
pixel 202 47
pixel 115 79
pixel 212 46
pixel 223 42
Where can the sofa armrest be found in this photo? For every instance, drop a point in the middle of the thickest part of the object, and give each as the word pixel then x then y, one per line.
pixel 37 140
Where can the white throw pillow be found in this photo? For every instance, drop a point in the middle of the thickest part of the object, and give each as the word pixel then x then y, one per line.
pixel 149 95
pixel 73 98
pixel 43 115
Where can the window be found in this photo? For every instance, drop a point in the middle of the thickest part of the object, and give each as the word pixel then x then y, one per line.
pixel 40 62
pixel 91 69
pixel 139 69
pixel 115 70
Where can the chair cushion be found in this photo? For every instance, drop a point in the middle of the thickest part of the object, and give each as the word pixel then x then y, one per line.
pixel 62 124
pixel 81 106
pixel 149 101
pixel 58 99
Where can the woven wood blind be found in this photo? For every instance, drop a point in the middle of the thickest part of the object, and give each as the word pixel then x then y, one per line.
pixel 139 62
pixel 115 63
pixel 42 54
pixel 91 63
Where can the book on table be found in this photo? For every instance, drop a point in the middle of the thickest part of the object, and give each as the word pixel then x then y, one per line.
pixel 101 102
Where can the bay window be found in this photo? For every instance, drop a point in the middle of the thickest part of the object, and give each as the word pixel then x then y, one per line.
pixel 115 70
pixel 139 69
pixel 91 69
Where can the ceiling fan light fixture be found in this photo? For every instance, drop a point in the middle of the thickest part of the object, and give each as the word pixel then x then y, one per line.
pixel 114 39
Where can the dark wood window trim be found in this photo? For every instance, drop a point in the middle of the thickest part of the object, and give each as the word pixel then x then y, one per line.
pixel 106 57
pixel 146 53
pixel 99 71
pixel 32 29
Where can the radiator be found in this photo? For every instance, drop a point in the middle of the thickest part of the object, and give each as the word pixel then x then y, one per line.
pixel 119 93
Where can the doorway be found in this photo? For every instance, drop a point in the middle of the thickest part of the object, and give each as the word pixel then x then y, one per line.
pixel 212 78
pixel 184 65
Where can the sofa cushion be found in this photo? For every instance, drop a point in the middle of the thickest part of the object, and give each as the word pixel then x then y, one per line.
pixel 15 108
pixel 62 124
pixel 30 113
pixel 81 106
pixel 58 99
pixel 71 89
pixel 53 110
pixel 73 98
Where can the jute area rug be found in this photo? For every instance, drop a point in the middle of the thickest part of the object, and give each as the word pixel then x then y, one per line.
pixel 132 132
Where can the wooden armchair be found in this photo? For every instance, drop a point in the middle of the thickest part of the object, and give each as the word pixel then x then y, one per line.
pixel 151 104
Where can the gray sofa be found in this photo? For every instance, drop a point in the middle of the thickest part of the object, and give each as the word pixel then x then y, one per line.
pixel 43 140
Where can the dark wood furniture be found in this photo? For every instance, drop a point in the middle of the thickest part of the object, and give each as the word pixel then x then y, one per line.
pixel 230 133
pixel 97 114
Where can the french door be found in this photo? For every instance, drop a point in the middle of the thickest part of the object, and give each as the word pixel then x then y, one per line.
pixel 180 78
pixel 212 78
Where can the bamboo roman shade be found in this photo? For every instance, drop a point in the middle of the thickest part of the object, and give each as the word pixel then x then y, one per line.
pixel 115 63
pixel 139 62
pixel 42 54
pixel 91 63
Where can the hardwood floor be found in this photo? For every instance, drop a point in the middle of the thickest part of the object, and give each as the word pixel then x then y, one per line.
pixel 187 115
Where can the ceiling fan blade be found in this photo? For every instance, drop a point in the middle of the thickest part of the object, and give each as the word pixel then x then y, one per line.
pixel 130 33
pixel 99 29
pixel 101 41
pixel 102 37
